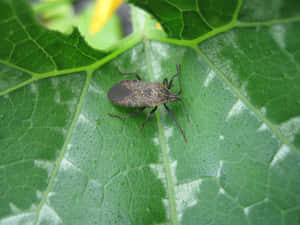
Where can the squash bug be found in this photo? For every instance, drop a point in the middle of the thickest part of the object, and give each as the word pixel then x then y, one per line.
pixel 137 93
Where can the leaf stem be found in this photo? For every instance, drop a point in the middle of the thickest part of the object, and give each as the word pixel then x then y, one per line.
pixel 267 23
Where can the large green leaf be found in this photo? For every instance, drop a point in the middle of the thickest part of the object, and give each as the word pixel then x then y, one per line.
pixel 63 160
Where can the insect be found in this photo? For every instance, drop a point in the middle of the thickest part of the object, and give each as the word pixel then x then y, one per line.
pixel 137 93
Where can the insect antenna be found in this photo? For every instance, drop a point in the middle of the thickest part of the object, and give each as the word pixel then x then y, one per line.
pixel 178 69
pixel 173 117
pixel 179 81
pixel 186 112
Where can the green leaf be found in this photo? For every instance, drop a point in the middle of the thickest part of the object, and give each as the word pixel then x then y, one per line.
pixel 63 160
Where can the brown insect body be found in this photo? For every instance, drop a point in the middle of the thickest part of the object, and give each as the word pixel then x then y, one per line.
pixel 137 93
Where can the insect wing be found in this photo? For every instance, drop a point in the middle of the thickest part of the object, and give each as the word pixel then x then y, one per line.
pixel 134 93
pixel 119 93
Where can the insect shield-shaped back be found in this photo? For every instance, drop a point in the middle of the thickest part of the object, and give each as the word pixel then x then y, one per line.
pixel 137 93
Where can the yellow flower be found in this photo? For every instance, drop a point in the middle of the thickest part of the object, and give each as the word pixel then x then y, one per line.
pixel 158 26
pixel 102 12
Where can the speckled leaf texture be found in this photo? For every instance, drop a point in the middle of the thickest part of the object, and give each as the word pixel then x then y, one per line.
pixel 64 161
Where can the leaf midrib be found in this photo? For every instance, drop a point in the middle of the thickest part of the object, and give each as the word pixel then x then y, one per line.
pixel 162 141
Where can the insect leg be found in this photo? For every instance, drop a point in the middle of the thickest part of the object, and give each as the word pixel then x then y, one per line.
pixel 171 81
pixel 148 116
pixel 137 76
pixel 165 82
pixel 173 117
pixel 178 68
pixel 129 115
pixel 186 112
pixel 179 81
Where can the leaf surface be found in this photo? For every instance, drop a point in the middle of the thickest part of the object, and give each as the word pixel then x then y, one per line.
pixel 63 160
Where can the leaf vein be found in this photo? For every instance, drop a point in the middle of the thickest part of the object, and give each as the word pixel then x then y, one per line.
pixel 64 148
pixel 259 114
